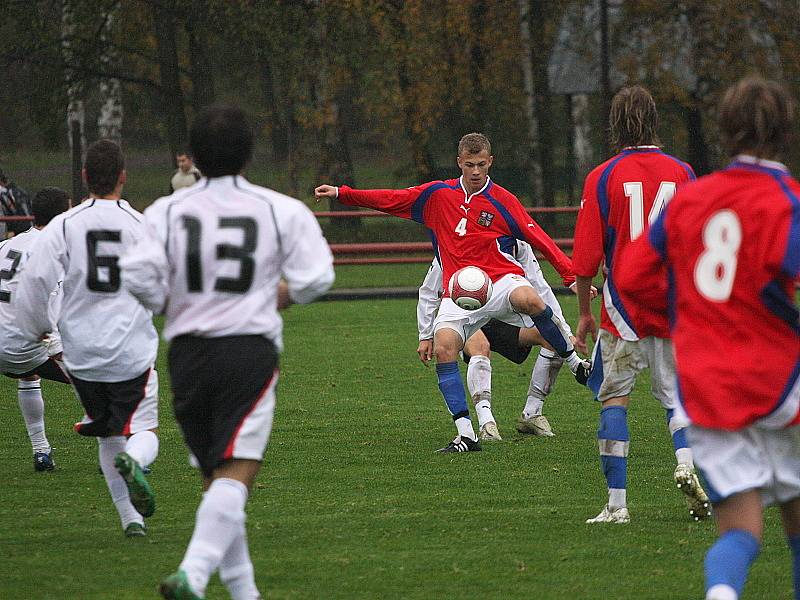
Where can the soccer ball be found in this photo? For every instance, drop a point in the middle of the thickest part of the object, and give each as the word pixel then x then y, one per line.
pixel 470 288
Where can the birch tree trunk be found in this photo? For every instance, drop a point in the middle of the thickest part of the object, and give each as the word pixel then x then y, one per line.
pixel 581 140
pixel 533 165
pixel 76 113
pixel 109 121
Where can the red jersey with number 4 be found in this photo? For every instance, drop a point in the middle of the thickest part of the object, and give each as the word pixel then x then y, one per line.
pixel 731 244
pixel 477 229
pixel 620 198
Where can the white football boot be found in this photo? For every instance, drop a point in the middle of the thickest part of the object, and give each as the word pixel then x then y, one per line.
pixel 696 499
pixel 535 425
pixel 489 432
pixel 607 515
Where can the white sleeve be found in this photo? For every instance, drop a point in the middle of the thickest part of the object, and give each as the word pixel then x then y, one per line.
pixel 429 300
pixel 144 268
pixel 307 260
pixel 42 274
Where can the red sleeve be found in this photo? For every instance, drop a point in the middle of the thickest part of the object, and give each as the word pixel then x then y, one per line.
pixel 529 231
pixel 637 267
pixel 408 203
pixel 588 252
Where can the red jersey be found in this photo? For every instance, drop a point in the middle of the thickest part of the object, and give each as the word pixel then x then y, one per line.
pixel 620 198
pixel 731 245
pixel 467 229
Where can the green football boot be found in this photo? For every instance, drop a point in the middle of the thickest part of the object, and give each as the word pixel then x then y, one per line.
pixel 135 530
pixel 176 587
pixel 142 496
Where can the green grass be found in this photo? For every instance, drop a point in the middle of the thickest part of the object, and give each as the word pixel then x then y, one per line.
pixel 353 503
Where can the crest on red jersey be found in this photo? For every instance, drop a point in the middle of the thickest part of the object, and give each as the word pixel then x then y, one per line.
pixel 486 218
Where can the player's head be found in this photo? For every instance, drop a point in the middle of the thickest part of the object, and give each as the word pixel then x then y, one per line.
pixel 104 168
pixel 756 117
pixel 221 140
pixel 474 159
pixel 633 119
pixel 48 203
pixel 184 161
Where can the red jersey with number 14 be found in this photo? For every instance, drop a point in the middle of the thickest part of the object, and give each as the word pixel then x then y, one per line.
pixel 477 229
pixel 731 244
pixel 620 198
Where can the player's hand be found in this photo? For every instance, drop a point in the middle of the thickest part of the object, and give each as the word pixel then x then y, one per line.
pixel 425 351
pixel 592 290
pixel 284 301
pixel 326 191
pixel 586 326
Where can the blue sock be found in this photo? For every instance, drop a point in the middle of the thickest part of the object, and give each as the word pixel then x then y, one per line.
pixel 729 559
pixel 452 388
pixel 552 332
pixel 613 440
pixel 679 435
pixel 794 544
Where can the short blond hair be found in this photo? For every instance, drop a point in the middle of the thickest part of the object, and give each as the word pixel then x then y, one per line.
pixel 474 143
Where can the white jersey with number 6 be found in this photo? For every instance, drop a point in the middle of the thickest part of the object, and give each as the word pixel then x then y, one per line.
pixel 215 253
pixel 107 335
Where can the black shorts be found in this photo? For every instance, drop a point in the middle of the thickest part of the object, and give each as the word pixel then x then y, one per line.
pixel 120 407
pixel 504 340
pixel 224 395
pixel 49 369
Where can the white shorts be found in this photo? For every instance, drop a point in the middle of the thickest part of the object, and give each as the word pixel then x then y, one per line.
pixel 619 361
pixel 467 322
pixel 736 461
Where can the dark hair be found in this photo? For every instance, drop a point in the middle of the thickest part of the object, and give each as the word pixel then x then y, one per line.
pixel 48 203
pixel 183 153
pixel 104 163
pixel 633 119
pixel 756 116
pixel 221 140
pixel 474 143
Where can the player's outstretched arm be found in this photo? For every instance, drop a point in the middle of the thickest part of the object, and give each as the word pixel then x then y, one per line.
pixel 400 203
pixel 331 192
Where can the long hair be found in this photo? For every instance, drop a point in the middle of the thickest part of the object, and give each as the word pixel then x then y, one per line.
pixel 633 119
pixel 756 116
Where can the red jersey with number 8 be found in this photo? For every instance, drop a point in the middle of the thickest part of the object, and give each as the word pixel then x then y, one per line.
pixel 621 197
pixel 731 244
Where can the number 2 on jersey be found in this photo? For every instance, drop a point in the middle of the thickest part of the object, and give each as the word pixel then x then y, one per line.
pixel 715 268
pixel 635 193
pixel 242 253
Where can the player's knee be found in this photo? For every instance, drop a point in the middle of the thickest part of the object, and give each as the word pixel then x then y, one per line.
pixel 527 301
pixel 445 353
pixel 477 346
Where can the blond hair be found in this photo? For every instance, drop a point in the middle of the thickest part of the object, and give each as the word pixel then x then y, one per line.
pixel 474 143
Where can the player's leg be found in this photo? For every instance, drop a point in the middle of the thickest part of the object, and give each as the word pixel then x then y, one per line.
pixel 31 405
pixel 662 383
pixel 447 343
pixel 479 384
pixel 545 370
pixel 526 300
pixel 790 513
pixel 727 562
pixel 619 362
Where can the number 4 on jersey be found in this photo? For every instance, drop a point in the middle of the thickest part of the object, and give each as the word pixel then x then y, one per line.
pixel 635 193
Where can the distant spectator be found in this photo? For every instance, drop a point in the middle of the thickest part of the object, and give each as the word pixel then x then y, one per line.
pixel 186 175
pixel 14 201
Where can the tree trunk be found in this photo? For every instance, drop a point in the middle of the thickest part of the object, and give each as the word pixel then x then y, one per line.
pixel 109 121
pixel 76 115
pixel 605 71
pixel 533 166
pixel 581 140
pixel 171 92
pixel 202 65
pixel 698 149
pixel 277 127
pixel 543 105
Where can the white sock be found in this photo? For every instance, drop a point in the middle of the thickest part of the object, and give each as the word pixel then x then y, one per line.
pixel 31 404
pixel 142 447
pixel 236 570
pixel 465 429
pixel 543 376
pixel 721 591
pixel 220 518
pixel 684 456
pixel 483 407
pixel 479 376
pixel 617 498
pixel 108 448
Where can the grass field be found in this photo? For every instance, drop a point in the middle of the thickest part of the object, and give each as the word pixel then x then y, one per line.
pixel 353 503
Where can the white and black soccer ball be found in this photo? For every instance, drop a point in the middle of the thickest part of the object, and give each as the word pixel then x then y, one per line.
pixel 470 288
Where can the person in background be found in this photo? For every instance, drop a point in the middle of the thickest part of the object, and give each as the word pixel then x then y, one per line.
pixel 186 175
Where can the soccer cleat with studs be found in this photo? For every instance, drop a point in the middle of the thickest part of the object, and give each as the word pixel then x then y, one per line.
pixel 461 444
pixel 142 496
pixel 176 587
pixel 535 425
pixel 696 498
pixel 609 515
pixel 43 461
pixel 135 530
pixel 490 433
